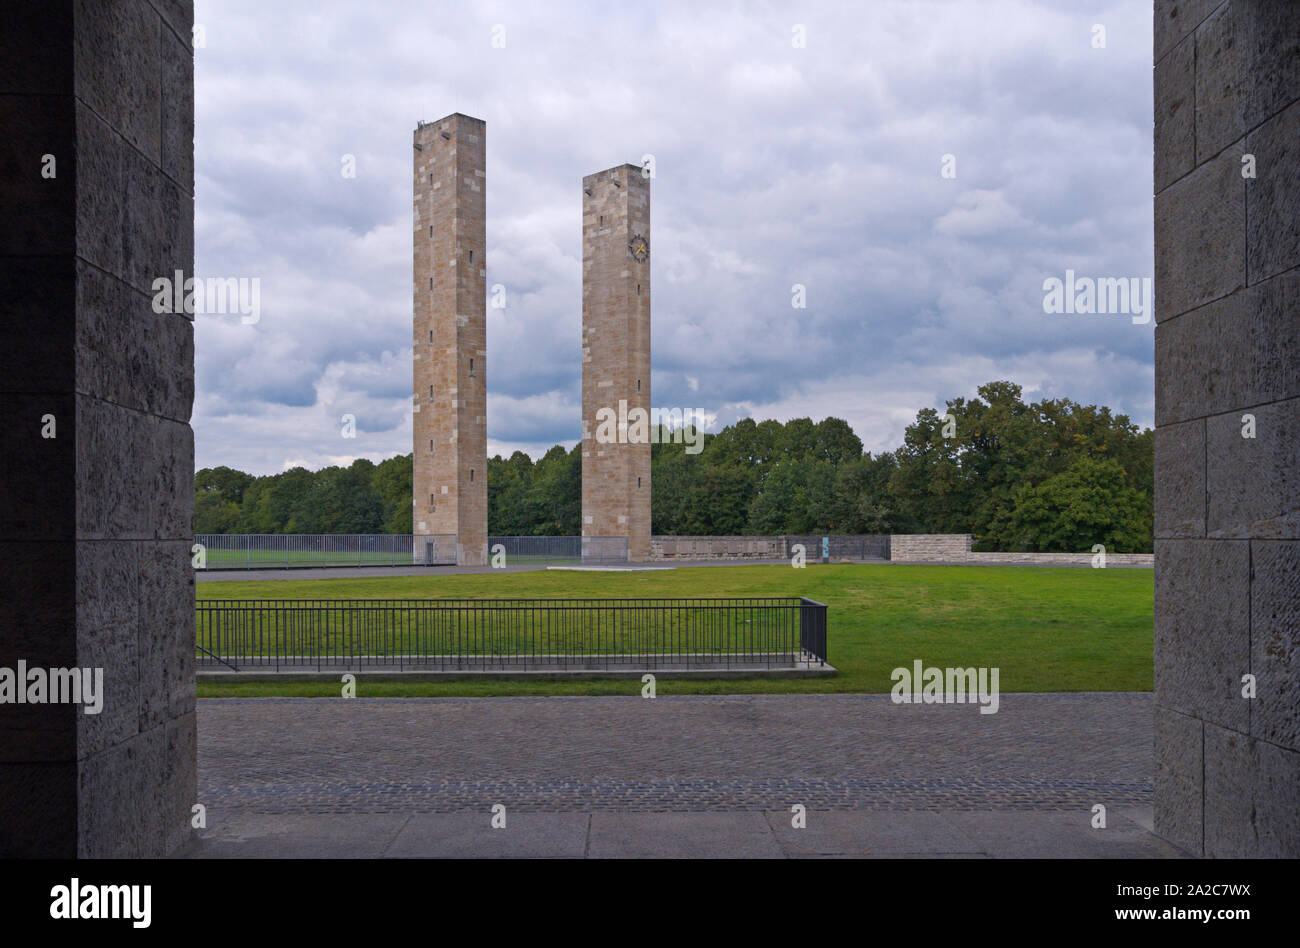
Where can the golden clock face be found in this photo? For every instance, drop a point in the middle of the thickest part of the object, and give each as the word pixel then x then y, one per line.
pixel 639 248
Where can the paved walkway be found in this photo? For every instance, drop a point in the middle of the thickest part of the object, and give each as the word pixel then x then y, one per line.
pixel 676 776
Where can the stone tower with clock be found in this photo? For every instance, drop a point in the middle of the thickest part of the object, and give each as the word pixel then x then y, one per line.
pixel 450 343
pixel 616 357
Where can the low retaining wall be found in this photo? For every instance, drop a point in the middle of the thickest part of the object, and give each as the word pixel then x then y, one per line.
pixel 953 548
pixel 842 548
pixel 1059 559
pixel 717 548
pixel 956 548
pixel 929 547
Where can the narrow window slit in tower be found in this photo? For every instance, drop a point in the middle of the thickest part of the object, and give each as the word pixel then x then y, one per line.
pixel 471 475
pixel 471 368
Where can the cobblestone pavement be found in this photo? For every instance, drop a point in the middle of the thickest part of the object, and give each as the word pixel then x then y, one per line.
pixel 681 754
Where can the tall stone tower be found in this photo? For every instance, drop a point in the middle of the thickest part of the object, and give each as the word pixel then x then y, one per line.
pixel 616 356
pixel 450 320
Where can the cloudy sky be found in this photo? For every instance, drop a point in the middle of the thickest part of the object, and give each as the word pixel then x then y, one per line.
pixel 775 164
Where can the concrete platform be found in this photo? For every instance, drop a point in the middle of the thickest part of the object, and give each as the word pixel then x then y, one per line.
pixel 575 672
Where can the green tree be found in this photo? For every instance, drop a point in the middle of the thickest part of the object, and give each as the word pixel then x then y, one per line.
pixel 392 480
pixel 1017 475
pixel 225 482
pixel 794 497
pixel 213 513
pixel 556 493
pixel 1069 512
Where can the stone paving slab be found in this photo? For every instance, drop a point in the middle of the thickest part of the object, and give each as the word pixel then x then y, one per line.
pixel 242 834
pixel 681 836
pixel 1065 835
pixel 872 833
pixel 471 835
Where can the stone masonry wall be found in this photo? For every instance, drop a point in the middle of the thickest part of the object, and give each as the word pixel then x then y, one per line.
pixel 929 547
pixel 96 387
pixel 717 548
pixel 952 548
pixel 956 548
pixel 1227 354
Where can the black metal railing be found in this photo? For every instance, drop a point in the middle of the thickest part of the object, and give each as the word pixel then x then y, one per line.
pixel 469 634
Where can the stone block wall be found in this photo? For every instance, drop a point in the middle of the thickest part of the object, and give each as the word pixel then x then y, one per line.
pixel 97 455
pixel 955 548
pixel 717 548
pixel 1227 511
pixel 929 547
pixel 1057 559
pixel 950 548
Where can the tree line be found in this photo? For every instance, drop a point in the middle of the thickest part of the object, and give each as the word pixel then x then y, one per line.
pixel 1051 475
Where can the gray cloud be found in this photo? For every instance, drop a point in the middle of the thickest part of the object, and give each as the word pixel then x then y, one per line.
pixel 775 166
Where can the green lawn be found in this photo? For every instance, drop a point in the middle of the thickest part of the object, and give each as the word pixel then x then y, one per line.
pixel 1045 629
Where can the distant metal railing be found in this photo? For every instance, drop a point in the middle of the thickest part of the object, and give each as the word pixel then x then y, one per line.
pixel 470 634
pixel 300 550
pixel 304 550
pixel 841 546
pixel 593 551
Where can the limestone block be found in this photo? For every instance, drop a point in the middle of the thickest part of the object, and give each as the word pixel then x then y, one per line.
pixel 1202 634
pixel 1180 480
pixel 1200 237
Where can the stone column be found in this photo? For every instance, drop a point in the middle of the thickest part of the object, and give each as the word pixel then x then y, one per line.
pixel 1227 252
pixel 449 426
pixel 97 455
pixel 616 357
